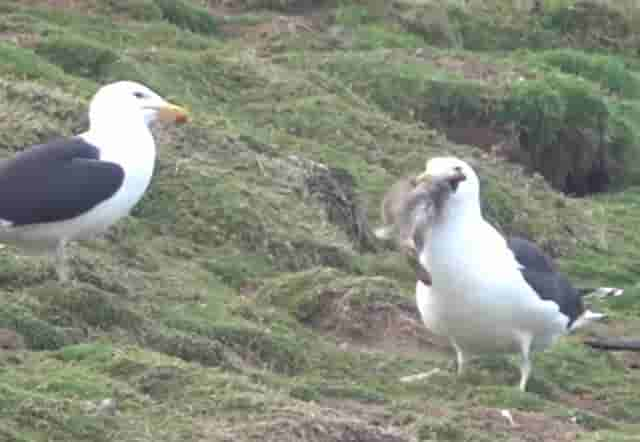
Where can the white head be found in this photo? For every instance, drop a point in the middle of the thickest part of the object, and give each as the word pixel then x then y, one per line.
pixel 123 102
pixel 466 191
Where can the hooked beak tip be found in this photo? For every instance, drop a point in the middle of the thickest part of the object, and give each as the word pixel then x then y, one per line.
pixel 173 114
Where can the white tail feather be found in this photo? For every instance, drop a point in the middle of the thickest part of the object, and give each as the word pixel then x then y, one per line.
pixel 384 232
pixel 586 318
pixel 603 292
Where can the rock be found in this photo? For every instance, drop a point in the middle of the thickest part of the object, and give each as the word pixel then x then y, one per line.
pixel 10 340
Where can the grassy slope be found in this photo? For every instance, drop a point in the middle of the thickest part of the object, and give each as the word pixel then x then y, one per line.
pixel 232 305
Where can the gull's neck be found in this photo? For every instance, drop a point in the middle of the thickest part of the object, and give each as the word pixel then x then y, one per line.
pixel 459 211
pixel 449 230
pixel 452 241
pixel 125 139
pixel 108 120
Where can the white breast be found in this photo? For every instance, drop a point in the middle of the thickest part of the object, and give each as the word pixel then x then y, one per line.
pixel 429 308
pixel 136 154
pixel 479 296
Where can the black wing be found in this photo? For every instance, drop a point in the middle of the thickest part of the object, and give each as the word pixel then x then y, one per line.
pixel 539 272
pixel 56 181
pixel 530 255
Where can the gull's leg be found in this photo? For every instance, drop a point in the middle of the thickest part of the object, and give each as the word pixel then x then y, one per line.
pixel 61 261
pixel 525 365
pixel 459 357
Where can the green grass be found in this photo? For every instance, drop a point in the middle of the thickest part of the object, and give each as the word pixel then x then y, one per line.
pixel 245 298
pixel 187 16
pixel 610 71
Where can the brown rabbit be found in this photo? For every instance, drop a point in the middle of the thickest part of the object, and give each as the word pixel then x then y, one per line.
pixel 408 210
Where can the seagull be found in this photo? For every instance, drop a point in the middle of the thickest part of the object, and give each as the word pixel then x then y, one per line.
pixel 76 187
pixel 490 295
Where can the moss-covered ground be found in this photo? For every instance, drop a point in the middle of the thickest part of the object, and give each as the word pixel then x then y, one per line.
pixel 245 298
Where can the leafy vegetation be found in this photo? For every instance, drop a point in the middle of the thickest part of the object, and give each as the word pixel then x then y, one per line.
pixel 245 298
pixel 187 16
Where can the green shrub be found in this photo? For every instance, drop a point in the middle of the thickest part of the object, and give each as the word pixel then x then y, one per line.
pixel 234 269
pixel 272 351
pixel 39 335
pixel 78 56
pixel 434 25
pixel 353 15
pixel 88 306
pixel 24 63
pixel 485 32
pixel 144 10
pixel 590 24
pixel 624 137
pixel 547 105
pixel 283 5
pixel 94 352
pixel 186 16
pixel 609 71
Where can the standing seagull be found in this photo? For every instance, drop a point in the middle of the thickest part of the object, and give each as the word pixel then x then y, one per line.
pixel 490 295
pixel 76 187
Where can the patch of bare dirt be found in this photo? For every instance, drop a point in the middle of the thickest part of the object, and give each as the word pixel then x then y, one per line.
pixel 499 141
pixel 375 325
pixel 226 7
pixel 19 39
pixel 262 33
pixel 528 426
pixel 631 360
pixel 583 401
pixel 472 68
pixel 469 67
pixel 372 413
pixel 57 3
pixel 309 18
pixel 88 6
pixel 91 7
pixel 368 314
pixel 317 425
pixel 288 6
pixel 379 415
pixel 399 335
pixel 10 340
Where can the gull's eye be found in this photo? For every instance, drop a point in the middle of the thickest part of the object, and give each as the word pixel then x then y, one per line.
pixel 458 169
pixel 139 94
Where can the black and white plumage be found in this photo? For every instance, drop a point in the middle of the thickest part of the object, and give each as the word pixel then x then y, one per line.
pixel 71 165
pixel 487 294
pixel 74 188
pixel 538 270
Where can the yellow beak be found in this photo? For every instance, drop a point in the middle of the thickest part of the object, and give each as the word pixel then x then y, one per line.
pixel 171 113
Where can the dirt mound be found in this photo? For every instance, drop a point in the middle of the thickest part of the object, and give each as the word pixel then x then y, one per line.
pixel 305 423
pixel 370 311
pixel 529 426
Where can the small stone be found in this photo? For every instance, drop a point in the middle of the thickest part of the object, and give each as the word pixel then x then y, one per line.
pixel 507 415
pixel 107 407
pixel 10 340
